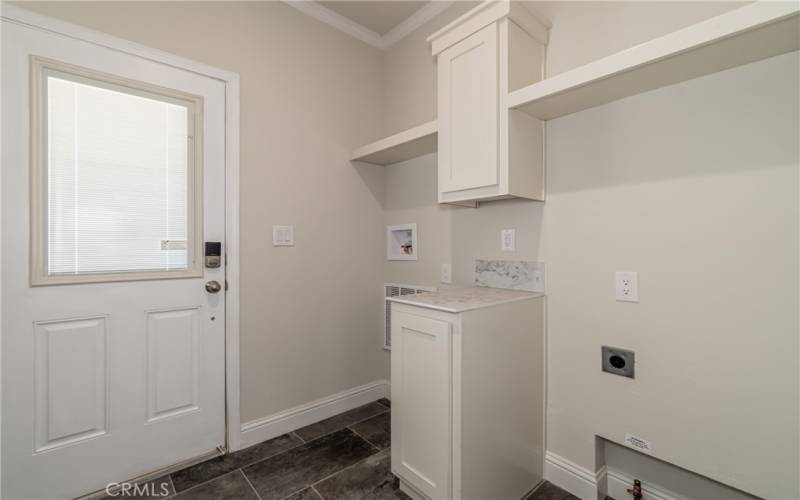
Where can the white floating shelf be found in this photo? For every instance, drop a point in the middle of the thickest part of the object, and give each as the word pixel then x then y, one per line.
pixel 741 36
pixel 408 144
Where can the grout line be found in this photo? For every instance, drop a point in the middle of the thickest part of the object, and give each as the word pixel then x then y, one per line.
pixel 287 450
pixel 303 441
pixel 174 491
pixel 317 492
pixel 348 425
pixel 233 470
pixel 362 437
pixel 295 492
pixel 342 470
pixel 177 493
pixel 339 414
pixel 388 410
pixel 251 484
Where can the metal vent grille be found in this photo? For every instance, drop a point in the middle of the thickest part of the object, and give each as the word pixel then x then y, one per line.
pixel 395 290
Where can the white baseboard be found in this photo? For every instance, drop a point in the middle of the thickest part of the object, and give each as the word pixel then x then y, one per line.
pixel 570 476
pixel 274 425
pixel 619 482
pixel 588 485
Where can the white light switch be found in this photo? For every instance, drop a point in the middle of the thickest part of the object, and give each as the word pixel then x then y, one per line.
pixel 627 285
pixel 507 240
pixel 283 236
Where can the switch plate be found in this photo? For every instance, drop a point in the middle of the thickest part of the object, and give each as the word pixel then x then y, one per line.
pixel 627 286
pixel 507 240
pixel 283 236
pixel 447 274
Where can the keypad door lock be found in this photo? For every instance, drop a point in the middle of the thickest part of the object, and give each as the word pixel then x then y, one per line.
pixel 213 254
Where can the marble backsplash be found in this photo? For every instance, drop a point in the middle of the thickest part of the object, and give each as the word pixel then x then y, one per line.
pixel 513 274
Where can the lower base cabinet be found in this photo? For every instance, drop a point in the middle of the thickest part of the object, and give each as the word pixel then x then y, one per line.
pixel 468 400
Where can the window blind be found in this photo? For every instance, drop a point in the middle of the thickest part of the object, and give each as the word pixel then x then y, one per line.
pixel 118 171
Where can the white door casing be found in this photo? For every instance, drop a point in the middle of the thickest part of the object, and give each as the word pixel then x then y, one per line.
pixel 108 381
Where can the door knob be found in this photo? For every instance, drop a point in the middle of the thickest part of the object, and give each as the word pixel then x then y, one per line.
pixel 213 286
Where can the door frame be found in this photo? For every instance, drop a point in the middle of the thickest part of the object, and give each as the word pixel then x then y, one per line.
pixel 23 17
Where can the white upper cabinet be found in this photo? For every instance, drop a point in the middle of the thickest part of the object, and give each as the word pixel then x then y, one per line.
pixel 468 77
pixel 487 151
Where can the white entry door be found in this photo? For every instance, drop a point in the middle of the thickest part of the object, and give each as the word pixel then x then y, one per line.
pixel 113 350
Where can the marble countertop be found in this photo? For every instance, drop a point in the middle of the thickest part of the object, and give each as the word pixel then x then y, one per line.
pixel 456 300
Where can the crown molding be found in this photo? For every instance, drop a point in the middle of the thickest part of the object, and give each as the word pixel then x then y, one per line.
pixel 338 21
pixel 366 35
pixel 415 20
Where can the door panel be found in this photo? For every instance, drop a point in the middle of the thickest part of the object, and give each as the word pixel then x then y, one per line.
pixel 468 104
pixel 173 338
pixel 71 382
pixel 421 433
pixel 103 382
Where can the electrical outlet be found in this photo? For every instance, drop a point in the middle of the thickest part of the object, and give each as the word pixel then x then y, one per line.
pixel 507 240
pixel 627 286
pixel 447 274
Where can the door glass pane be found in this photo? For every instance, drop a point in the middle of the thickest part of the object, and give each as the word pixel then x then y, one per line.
pixel 119 175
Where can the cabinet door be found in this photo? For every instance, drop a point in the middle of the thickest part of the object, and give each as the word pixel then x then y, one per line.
pixel 468 112
pixel 421 425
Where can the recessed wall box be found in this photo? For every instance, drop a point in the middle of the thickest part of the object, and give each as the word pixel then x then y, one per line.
pixel 618 361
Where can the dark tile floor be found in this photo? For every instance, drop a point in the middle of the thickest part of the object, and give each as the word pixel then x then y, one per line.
pixel 345 457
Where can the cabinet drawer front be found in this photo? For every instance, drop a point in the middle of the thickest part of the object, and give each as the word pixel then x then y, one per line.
pixel 468 112
pixel 421 429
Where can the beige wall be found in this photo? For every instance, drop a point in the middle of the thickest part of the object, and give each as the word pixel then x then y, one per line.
pixel 585 31
pixel 717 353
pixel 694 186
pixel 411 197
pixel 409 99
pixel 311 317
pixel 409 75
pixel 582 32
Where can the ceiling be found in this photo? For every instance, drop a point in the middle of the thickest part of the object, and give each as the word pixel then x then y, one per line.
pixel 379 16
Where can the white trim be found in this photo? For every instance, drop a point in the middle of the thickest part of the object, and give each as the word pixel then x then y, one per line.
pixel 484 14
pixel 232 268
pixel 570 476
pixel 619 482
pixel 348 26
pixel 336 20
pixel 274 425
pixel 23 17
pixel 402 146
pixel 29 19
pixel 666 60
pixel 415 21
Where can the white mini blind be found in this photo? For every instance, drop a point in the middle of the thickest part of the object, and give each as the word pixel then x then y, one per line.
pixel 118 180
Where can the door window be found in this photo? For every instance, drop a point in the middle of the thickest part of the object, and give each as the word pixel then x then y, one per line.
pixel 117 179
